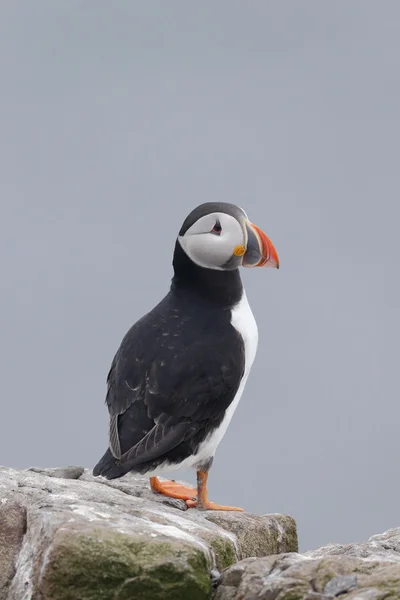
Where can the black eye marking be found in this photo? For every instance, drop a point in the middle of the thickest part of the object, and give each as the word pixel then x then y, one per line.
pixel 217 229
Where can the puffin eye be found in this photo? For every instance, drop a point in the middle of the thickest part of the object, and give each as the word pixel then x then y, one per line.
pixel 217 228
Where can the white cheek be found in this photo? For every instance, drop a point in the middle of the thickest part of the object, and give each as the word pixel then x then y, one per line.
pixel 207 250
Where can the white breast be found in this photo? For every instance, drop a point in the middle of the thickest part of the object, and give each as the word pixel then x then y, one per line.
pixel 243 320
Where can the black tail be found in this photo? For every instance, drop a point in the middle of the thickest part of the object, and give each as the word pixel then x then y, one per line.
pixel 108 468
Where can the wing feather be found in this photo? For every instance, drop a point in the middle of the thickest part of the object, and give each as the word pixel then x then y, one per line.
pixel 114 443
pixel 156 443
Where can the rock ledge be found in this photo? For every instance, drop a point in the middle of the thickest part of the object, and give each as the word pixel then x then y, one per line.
pixel 65 535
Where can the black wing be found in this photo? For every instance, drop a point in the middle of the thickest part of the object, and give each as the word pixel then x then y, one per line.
pixel 161 397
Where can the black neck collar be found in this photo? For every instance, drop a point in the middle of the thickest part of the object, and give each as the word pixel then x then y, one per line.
pixel 215 288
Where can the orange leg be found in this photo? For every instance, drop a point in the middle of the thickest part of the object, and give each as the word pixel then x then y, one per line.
pixel 172 489
pixel 203 503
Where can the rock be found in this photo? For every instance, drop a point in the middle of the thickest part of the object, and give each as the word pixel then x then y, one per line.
pixel 254 533
pixel 12 531
pixel 62 473
pixel 340 585
pixel 101 563
pixel 385 545
pixel 65 535
pixel 366 571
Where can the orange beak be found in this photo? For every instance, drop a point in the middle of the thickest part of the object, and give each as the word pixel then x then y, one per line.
pixel 260 251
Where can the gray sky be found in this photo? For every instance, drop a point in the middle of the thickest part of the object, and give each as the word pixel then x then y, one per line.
pixel 116 119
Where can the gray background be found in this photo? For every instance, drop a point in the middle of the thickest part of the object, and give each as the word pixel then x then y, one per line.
pixel 116 119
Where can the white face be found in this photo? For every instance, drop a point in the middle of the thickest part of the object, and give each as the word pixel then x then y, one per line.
pixel 210 242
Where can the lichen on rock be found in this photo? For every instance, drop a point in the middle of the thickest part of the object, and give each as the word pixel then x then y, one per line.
pixel 98 564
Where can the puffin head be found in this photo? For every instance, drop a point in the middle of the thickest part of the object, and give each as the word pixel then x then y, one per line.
pixel 219 236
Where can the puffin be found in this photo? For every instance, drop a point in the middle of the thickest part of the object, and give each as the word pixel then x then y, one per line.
pixel 180 371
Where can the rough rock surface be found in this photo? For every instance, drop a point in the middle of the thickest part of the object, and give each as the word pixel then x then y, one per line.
pixel 366 571
pixel 65 535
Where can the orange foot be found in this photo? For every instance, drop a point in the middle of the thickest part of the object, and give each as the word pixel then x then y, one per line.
pixel 172 489
pixel 202 502
pixel 208 505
